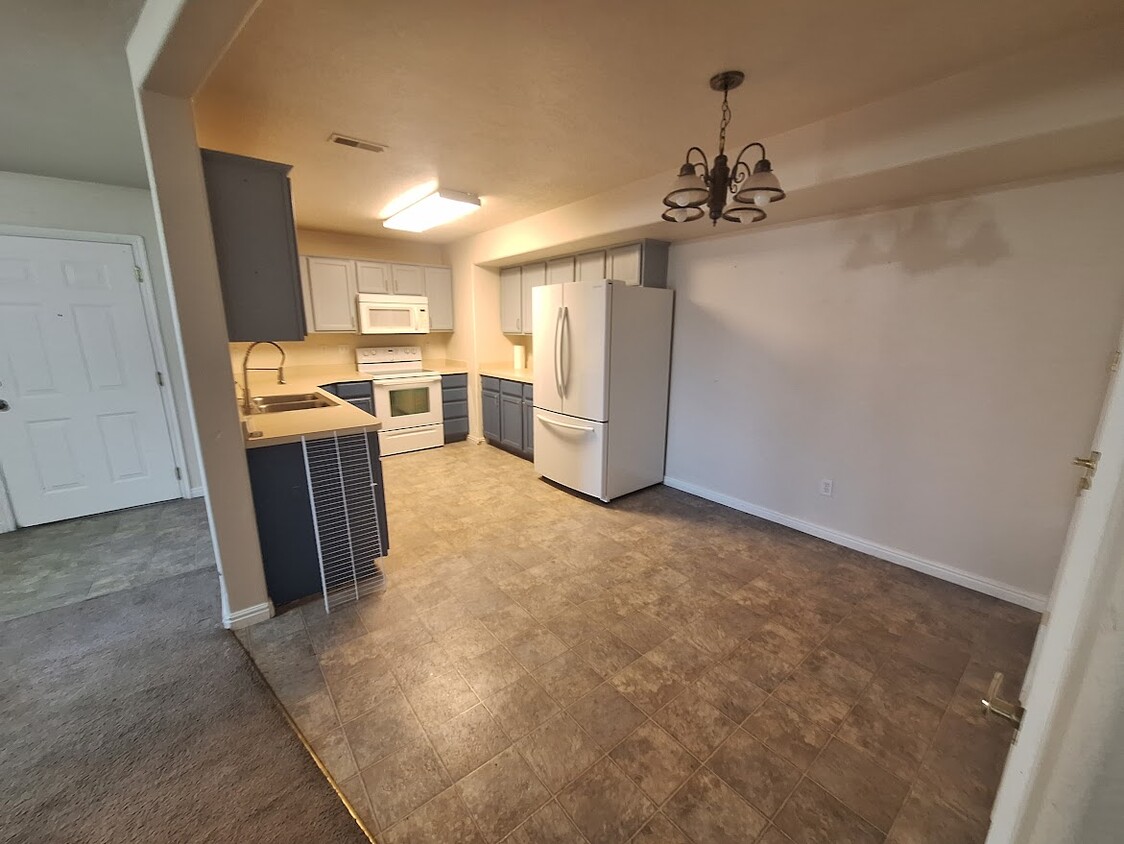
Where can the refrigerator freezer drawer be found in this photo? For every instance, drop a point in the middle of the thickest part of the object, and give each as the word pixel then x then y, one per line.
pixel 571 452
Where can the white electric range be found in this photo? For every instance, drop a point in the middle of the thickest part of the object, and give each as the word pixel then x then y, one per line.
pixel 407 398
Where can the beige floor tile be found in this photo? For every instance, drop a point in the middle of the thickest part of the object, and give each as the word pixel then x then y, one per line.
pixel 606 715
pixel 605 804
pixel 655 761
pixel 758 774
pixel 812 816
pixel 694 723
pixel 559 751
pixel 521 707
pixel 502 794
pixel 709 810
pixel 567 677
pixel 403 781
pixel 467 741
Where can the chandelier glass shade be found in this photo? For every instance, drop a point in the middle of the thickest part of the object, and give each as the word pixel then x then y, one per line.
pixel 737 194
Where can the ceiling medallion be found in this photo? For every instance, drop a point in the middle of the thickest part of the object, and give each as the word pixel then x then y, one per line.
pixel 738 194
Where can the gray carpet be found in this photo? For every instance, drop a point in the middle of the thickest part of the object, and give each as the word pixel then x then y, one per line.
pixel 134 717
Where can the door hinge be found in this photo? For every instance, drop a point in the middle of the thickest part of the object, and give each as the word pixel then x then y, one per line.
pixel 160 378
pixel 179 474
pixel 1114 364
pixel 137 270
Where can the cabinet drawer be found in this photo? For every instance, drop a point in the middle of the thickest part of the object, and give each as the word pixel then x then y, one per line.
pixel 456 429
pixel 354 390
pixel 454 410
pixel 449 394
pixel 529 392
pixel 457 380
pixel 489 384
pixel 511 388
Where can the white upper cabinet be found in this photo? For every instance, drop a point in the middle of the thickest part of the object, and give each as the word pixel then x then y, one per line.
pixel 534 275
pixel 591 266
pixel 511 301
pixel 331 285
pixel 408 279
pixel 372 277
pixel 331 293
pixel 439 289
pixel 624 263
pixel 560 270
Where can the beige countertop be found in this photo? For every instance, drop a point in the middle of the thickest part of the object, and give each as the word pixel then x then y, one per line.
pixel 446 367
pixel 266 429
pixel 506 371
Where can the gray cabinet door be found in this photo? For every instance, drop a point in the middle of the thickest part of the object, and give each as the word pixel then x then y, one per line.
pixel 439 289
pixel 528 427
pixel 534 275
pixel 491 415
pixel 560 270
pixel 408 279
pixel 624 263
pixel 256 246
pixel 590 266
pixel 511 422
pixel 511 301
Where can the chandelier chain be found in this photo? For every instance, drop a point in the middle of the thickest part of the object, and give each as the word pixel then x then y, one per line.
pixel 725 122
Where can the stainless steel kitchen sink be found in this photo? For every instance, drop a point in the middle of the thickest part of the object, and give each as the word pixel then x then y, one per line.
pixel 284 404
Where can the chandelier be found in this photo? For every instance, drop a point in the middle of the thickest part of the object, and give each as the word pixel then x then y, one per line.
pixel 738 194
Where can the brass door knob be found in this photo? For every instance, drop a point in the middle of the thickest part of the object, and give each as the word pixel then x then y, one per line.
pixel 995 705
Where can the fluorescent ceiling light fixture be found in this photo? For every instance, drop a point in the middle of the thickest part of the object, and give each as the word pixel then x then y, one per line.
pixel 438 208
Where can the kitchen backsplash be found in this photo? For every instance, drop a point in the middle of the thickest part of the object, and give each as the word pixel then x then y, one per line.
pixel 337 349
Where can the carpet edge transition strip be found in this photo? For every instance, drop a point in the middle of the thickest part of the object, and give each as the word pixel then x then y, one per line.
pixel 307 745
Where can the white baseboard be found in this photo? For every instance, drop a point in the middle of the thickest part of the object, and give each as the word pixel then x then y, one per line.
pixel 247 616
pixel 942 571
pixel 475 440
pixel 197 492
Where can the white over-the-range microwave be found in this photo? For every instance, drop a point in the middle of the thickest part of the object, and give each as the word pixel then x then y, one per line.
pixel 380 313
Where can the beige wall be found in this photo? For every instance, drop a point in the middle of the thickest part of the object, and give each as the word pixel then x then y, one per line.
pixel 341 245
pixel 942 364
pixel 41 202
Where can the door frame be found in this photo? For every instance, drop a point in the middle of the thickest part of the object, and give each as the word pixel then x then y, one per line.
pixel 155 342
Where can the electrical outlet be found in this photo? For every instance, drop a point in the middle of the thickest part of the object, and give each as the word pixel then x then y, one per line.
pixel 826 486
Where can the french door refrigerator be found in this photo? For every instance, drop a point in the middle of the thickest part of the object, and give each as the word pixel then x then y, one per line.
pixel 602 357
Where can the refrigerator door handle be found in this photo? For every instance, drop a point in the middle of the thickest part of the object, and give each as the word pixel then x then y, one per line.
pixel 557 424
pixel 558 352
pixel 566 353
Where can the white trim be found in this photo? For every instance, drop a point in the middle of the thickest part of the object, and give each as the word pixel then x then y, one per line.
pixel 475 440
pixel 197 492
pixel 7 517
pixel 238 619
pixel 152 318
pixel 943 571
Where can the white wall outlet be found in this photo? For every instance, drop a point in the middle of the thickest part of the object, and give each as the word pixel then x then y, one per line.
pixel 826 486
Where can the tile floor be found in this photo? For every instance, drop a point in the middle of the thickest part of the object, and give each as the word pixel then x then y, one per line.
pixel 546 669
pixel 65 562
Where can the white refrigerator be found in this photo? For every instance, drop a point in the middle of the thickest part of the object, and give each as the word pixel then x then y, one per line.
pixel 602 358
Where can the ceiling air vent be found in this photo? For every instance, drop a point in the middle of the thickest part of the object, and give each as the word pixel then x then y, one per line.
pixel 356 143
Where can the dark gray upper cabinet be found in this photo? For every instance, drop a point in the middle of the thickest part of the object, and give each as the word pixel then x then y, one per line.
pixel 256 244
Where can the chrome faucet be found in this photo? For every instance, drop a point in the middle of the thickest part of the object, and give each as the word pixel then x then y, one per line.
pixel 247 369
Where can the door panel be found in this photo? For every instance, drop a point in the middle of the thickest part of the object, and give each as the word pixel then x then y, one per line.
pixel 86 430
pixel 547 312
pixel 439 291
pixel 590 267
pixel 332 291
pixel 624 263
pixel 511 301
pixel 560 271
pixel 585 350
pixel 371 277
pixel 511 422
pixel 408 279
pixel 570 451
pixel 534 275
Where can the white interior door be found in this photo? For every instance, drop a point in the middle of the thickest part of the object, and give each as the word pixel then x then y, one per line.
pixel 1078 582
pixel 547 320
pixel 585 350
pixel 84 431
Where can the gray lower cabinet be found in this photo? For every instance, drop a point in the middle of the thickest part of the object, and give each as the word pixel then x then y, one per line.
pixel 508 415
pixel 256 246
pixel 286 531
pixel 454 406
pixel 490 408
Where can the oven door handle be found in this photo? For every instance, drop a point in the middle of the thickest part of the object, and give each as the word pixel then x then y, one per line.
pixel 406 382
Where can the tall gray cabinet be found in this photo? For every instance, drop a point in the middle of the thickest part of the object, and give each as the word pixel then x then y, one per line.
pixel 256 245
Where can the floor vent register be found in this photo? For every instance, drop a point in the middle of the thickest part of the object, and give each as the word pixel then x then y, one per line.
pixel 341 485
